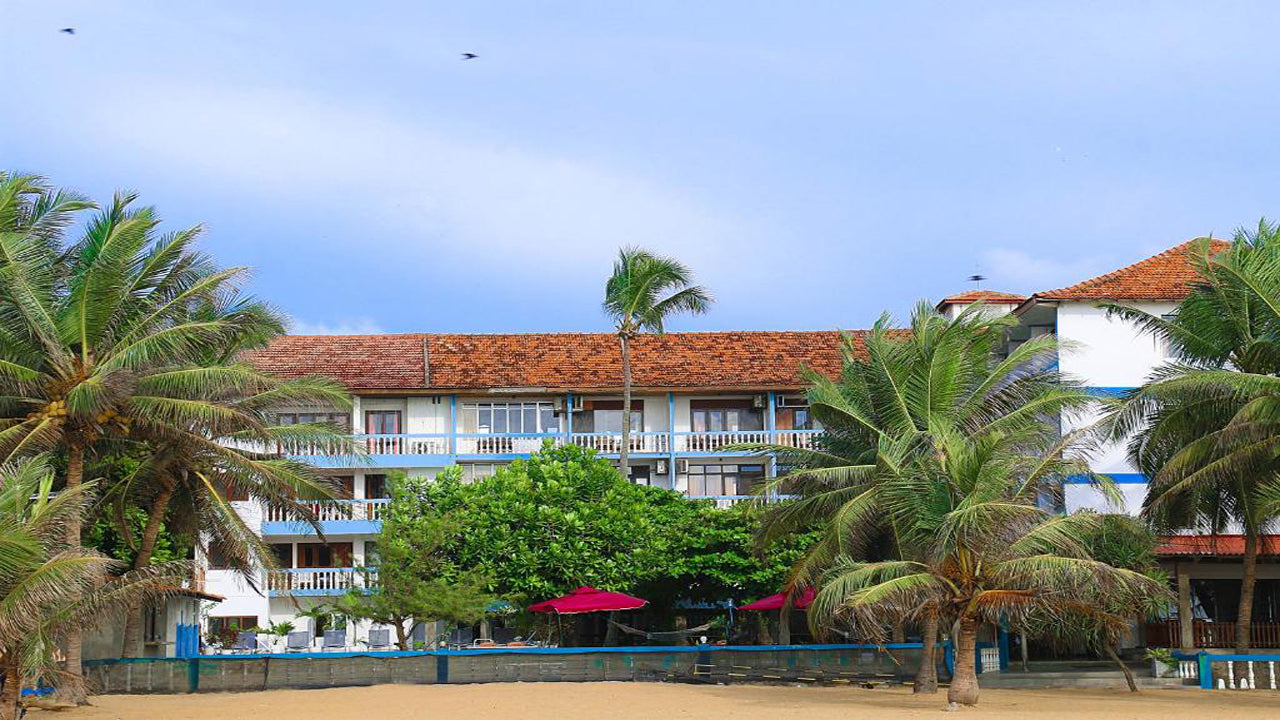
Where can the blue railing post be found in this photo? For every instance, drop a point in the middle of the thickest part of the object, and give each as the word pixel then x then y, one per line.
pixel 1206 670
pixel 568 419
pixel 671 439
pixel 453 428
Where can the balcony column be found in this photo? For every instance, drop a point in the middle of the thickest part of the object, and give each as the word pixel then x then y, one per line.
pixel 1186 623
pixel 671 439
pixel 357 417
pixel 771 425
pixel 568 419
pixel 453 427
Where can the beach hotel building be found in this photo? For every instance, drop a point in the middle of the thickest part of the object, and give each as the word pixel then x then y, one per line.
pixel 426 401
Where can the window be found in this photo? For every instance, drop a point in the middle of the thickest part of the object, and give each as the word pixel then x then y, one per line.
pixel 714 480
pixel 375 487
pixel 341 420
pixel 472 472
pixel 371 556
pixel 605 416
pixel 153 623
pixel 528 418
pixel 793 414
pixel 320 555
pixel 382 422
pixel 725 416
pixel 283 553
pixel 232 624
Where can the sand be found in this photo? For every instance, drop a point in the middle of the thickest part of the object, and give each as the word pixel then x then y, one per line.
pixel 664 701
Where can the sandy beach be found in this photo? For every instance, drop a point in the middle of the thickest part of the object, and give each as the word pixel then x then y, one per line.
pixel 646 701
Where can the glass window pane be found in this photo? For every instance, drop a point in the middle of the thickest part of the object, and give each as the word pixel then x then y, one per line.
pixel 549 423
pixel 486 420
pixel 530 419
pixel 499 419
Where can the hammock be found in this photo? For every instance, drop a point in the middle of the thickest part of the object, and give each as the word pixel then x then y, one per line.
pixel 663 636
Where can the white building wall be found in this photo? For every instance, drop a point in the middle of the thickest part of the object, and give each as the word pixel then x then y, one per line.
pixel 1106 353
pixel 426 415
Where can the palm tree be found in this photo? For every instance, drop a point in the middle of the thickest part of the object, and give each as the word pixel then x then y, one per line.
pixel 1205 427
pixel 50 586
pixel 184 479
pixel 96 337
pixel 899 395
pixel 983 551
pixel 644 290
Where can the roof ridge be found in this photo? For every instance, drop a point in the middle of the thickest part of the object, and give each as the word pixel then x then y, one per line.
pixel 1168 290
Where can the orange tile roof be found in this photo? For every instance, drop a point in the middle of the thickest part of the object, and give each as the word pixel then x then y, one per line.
pixel 1224 545
pixel 561 361
pixel 1166 276
pixel 993 297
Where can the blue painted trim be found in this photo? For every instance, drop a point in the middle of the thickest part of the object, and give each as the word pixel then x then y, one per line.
pixel 453 424
pixel 330 527
pixel 671 439
pixel 1117 478
pixel 1206 671
pixel 1003 638
pixel 633 650
pixel 568 417
pixel 1109 392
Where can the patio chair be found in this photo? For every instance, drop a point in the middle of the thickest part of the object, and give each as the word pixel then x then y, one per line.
pixel 379 639
pixel 246 642
pixel 298 641
pixel 335 640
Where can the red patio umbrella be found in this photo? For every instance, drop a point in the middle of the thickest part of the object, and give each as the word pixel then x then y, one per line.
pixel 588 599
pixel 774 602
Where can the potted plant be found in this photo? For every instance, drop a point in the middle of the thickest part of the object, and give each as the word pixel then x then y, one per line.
pixel 1163 664
pixel 276 633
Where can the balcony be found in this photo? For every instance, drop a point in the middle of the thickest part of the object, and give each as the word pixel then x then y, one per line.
pixel 1210 634
pixel 320 581
pixel 408 450
pixel 347 517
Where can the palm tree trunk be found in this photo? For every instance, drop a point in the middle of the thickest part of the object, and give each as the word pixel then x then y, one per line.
pixel 927 674
pixel 12 689
pixel 964 682
pixel 624 461
pixel 155 520
pixel 1128 674
pixel 73 690
pixel 1248 579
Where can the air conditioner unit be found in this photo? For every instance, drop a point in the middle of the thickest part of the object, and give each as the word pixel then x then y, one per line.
pixel 757 401
pixel 661 468
pixel 682 466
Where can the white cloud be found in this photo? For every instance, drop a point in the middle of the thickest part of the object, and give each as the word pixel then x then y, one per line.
pixel 1020 271
pixel 345 326
pixel 425 194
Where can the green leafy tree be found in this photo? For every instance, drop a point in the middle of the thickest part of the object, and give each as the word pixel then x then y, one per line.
pixel 50 586
pixel 641 294
pixel 1205 428
pixel 416 582
pixel 564 518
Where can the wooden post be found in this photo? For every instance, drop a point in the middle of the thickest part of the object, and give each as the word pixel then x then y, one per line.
pixel 1186 623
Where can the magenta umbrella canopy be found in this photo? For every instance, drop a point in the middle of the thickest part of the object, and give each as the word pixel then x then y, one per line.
pixel 774 602
pixel 588 599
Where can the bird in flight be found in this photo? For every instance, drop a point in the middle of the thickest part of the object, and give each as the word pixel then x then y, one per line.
pixel 469 56
pixel 69 31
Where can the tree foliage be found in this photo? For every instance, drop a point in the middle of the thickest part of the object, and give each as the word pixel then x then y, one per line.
pixel 416 580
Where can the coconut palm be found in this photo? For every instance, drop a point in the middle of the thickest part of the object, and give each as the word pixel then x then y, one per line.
pixel 50 586
pixel 983 550
pixel 1205 427
pixel 97 336
pixel 641 294
pixel 899 394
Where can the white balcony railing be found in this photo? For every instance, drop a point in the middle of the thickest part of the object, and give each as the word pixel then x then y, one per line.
pixel 329 512
pixel 326 581
pixel 606 443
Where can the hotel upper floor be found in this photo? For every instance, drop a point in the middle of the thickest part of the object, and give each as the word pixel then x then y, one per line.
pixel 431 400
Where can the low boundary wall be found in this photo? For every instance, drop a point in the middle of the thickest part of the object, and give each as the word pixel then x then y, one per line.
pixel 709 663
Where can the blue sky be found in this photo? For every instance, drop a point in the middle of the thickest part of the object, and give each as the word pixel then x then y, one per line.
pixel 816 163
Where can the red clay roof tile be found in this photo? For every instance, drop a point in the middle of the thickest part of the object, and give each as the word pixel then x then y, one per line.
pixel 564 361
pixel 1226 545
pixel 994 297
pixel 1166 276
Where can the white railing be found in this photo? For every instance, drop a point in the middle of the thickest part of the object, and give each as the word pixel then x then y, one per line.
pixel 320 580
pixel 328 512
pixel 524 443
pixel 611 443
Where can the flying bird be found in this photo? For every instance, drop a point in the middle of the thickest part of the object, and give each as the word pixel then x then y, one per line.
pixel 469 56
pixel 69 31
